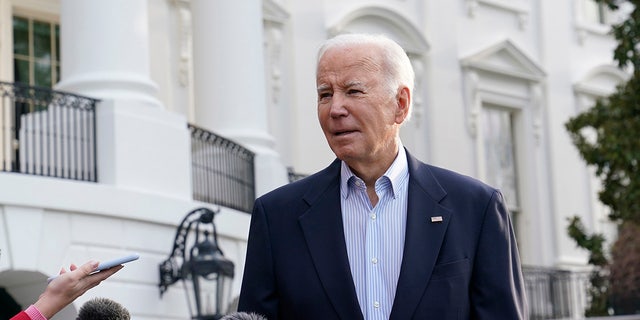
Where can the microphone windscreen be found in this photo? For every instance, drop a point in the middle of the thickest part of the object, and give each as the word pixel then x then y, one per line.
pixel 103 309
pixel 243 316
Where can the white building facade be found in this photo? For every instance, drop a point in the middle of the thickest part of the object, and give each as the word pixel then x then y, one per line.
pixel 495 82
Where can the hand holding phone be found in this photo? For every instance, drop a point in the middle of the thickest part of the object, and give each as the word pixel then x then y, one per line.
pixel 109 264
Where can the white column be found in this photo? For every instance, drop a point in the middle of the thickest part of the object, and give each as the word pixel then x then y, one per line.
pixel 105 49
pixel 230 86
pixel 105 55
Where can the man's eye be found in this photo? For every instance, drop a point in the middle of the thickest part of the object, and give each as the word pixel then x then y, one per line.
pixel 354 91
pixel 324 95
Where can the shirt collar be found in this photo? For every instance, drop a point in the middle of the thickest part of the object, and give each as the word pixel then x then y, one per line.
pixel 397 173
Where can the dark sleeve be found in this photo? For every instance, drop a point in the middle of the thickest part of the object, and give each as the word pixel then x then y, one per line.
pixel 497 288
pixel 258 292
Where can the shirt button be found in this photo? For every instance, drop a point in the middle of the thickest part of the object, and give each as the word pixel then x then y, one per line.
pixel 376 304
pixel 373 216
pixel 374 260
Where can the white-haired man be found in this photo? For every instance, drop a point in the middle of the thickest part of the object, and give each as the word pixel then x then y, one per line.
pixel 378 234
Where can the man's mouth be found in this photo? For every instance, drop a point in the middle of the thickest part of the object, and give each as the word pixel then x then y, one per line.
pixel 344 133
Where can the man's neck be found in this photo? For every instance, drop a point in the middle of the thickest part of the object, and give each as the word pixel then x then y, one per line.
pixel 371 172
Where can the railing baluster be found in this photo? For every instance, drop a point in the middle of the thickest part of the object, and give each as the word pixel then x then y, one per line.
pixel 48 138
pixel 67 153
pixel 5 134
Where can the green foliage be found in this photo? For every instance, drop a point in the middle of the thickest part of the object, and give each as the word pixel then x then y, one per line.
pixel 599 289
pixel 593 243
pixel 598 294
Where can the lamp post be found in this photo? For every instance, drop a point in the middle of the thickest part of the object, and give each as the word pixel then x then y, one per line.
pixel 205 273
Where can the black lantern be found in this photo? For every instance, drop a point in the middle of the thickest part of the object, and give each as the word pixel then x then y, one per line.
pixel 205 273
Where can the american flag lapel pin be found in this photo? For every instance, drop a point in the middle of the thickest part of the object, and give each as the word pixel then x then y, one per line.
pixel 436 219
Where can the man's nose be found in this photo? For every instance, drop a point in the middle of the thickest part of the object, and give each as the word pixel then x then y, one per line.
pixel 339 106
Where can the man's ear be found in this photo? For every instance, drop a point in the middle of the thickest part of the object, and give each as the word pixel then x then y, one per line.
pixel 403 99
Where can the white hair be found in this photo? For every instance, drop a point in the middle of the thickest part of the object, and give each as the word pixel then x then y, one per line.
pixel 397 65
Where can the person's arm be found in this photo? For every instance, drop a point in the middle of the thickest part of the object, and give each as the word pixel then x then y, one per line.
pixel 497 288
pixel 65 289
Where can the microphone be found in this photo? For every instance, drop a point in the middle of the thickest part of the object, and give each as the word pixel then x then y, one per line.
pixel 243 316
pixel 103 309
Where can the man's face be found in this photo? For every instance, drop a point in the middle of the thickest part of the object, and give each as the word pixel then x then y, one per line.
pixel 358 112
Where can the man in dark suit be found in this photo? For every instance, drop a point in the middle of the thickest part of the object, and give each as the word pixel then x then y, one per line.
pixel 379 234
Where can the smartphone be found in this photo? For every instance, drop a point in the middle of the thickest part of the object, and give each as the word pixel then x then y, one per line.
pixel 109 264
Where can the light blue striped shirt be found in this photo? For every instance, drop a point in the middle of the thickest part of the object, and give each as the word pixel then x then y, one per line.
pixel 375 235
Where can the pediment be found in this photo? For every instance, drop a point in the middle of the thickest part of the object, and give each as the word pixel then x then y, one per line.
pixel 601 81
pixel 506 59
pixel 272 11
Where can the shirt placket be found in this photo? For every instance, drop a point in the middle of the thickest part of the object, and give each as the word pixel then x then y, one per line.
pixel 374 272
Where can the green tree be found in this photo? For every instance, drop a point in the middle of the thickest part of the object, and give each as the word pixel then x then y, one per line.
pixel 607 137
pixel 599 278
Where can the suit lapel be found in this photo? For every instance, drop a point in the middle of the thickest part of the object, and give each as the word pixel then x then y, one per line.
pixel 423 238
pixel 324 235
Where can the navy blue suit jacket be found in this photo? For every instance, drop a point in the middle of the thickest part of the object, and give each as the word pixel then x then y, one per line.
pixel 464 267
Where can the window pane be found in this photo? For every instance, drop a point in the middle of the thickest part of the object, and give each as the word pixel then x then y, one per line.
pixel 42 41
pixel 20 36
pixel 593 12
pixel 42 74
pixel 499 153
pixel 36 52
pixel 21 71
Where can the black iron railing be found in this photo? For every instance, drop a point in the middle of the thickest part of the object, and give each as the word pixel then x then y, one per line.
pixel 556 294
pixel 47 133
pixel 222 170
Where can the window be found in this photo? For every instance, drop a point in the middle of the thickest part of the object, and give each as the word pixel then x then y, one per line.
pixel 36 52
pixel 499 153
pixel 594 12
